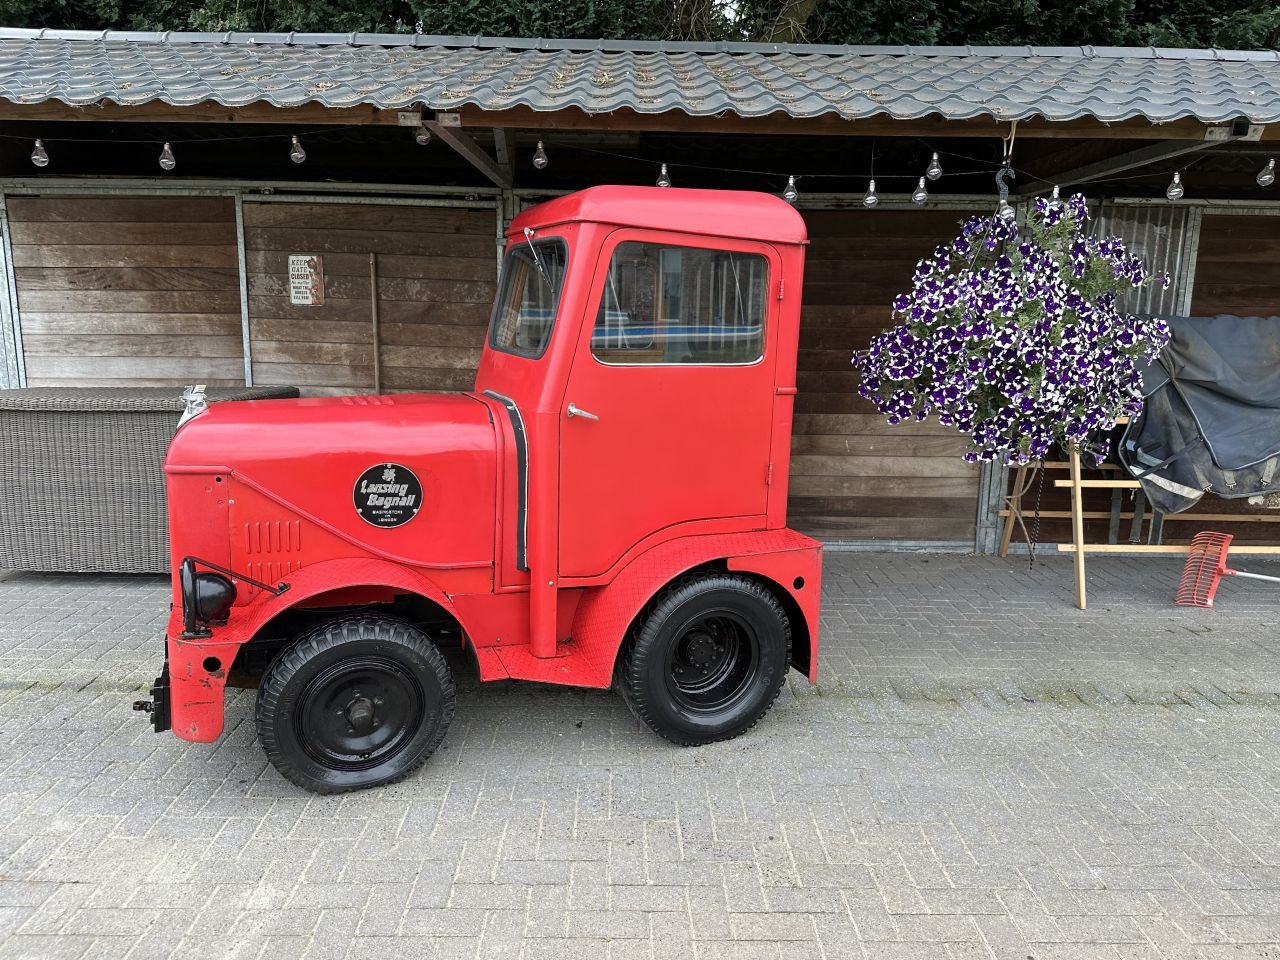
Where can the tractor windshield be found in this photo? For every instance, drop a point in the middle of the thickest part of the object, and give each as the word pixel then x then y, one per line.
pixel 528 296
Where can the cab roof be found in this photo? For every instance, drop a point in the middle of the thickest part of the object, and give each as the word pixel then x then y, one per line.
pixel 719 213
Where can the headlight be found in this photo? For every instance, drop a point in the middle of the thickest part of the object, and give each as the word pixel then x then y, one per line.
pixel 206 598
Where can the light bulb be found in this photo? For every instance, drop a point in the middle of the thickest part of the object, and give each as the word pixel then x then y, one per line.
pixel 870 198
pixel 1006 212
pixel 1055 192
pixel 421 136
pixel 166 158
pixel 296 153
pixel 1175 191
pixel 1265 179
pixel 663 179
pixel 934 170
pixel 921 195
pixel 41 159
pixel 540 157
pixel 791 194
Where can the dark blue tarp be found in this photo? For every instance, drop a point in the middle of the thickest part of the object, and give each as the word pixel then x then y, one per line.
pixel 1212 417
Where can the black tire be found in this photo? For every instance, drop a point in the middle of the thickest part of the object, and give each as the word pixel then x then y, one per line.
pixel 706 659
pixel 356 702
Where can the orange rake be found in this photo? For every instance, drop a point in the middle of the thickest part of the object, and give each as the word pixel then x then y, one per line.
pixel 1205 567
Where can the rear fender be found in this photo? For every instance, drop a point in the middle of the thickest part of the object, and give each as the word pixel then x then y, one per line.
pixel 198 682
pixel 780 556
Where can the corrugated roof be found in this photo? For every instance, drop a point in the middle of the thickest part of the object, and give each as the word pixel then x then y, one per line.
pixel 751 80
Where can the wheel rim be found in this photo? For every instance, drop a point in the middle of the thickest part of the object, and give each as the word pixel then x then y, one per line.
pixel 713 662
pixel 359 713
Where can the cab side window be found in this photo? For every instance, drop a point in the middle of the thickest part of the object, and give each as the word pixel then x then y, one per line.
pixel 681 305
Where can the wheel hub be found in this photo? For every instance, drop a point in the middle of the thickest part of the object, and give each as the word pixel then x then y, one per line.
pixel 359 713
pixel 361 716
pixel 701 650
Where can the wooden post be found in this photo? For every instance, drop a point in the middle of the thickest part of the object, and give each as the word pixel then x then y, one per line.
pixel 1077 527
pixel 373 310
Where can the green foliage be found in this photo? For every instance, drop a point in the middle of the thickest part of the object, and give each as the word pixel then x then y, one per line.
pixel 1244 24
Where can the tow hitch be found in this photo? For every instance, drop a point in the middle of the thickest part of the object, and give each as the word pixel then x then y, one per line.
pixel 158 705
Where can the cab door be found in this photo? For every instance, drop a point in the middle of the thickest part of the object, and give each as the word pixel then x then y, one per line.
pixel 667 412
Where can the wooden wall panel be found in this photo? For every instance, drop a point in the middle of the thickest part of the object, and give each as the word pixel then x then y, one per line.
pixel 436 278
pixel 853 476
pixel 1238 267
pixel 123 290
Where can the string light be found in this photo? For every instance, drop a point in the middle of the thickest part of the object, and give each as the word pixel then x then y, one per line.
pixel 1006 212
pixel 1265 178
pixel 664 180
pixel 1175 191
pixel 791 194
pixel 921 194
pixel 167 161
pixel 934 170
pixel 870 198
pixel 421 136
pixel 296 153
pixel 38 155
pixel 540 157
pixel 1056 194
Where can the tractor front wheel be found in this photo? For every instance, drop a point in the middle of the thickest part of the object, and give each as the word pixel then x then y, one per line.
pixel 706 659
pixel 354 703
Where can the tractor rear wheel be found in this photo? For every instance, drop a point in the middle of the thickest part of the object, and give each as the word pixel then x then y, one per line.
pixel 353 703
pixel 706 659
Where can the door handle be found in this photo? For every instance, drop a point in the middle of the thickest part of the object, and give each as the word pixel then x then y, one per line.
pixel 575 411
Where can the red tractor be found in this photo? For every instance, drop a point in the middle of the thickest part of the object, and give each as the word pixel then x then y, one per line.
pixel 607 507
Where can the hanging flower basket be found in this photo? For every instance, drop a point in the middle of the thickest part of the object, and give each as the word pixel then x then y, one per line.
pixel 1012 334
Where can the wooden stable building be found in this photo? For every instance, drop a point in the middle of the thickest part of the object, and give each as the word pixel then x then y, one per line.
pixel 118 271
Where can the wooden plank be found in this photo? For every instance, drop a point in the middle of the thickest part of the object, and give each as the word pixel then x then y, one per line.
pixel 121 255
pixel 185 369
pixel 125 233
pixel 573 118
pixel 883 486
pixel 857 466
pixel 1161 548
pixel 295 240
pixel 104 111
pixel 886 528
pixel 1104 484
pixel 961 508
pixel 91 209
pixel 372 216
pixel 389 265
pixel 404 311
pixel 900 445
pixel 866 424
pixel 389 288
pixel 108 324
pixel 127 301
pixel 455 358
pixel 127 278
pixel 131 345
pixel 176 383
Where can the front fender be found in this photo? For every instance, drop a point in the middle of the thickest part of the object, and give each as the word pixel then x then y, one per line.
pixel 198 667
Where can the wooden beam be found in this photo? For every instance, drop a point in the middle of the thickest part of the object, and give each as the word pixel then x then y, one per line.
pixel 470 151
pixel 504 147
pixel 157 112
pixel 675 121
pixel 1129 160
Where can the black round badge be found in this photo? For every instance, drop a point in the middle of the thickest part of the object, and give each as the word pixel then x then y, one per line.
pixel 388 495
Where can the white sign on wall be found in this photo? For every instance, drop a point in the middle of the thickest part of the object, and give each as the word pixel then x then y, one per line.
pixel 306 279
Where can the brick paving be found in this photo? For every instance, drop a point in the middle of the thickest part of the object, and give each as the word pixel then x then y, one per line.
pixel 983 771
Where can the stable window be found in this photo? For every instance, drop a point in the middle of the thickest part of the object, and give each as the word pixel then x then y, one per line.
pixel 681 305
pixel 525 311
